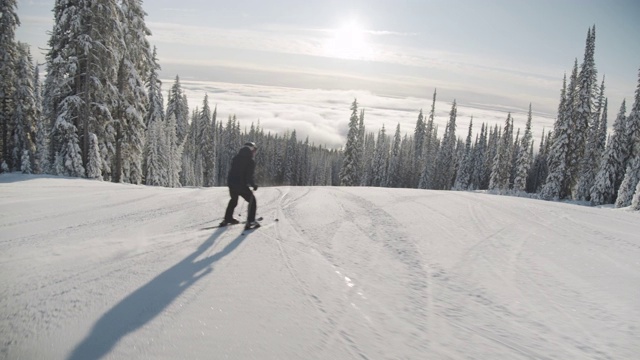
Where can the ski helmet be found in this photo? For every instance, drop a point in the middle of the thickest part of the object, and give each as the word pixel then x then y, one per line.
pixel 251 145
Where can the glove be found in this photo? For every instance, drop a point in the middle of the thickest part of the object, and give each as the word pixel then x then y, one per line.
pixel 255 187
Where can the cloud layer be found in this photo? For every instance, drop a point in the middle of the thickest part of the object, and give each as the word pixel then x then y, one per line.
pixel 323 115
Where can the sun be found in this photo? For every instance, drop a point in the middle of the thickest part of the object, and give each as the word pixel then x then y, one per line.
pixel 349 41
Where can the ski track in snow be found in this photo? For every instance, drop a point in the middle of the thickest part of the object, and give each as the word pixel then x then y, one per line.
pixel 99 270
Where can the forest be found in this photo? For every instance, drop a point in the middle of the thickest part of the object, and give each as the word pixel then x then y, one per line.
pixel 99 113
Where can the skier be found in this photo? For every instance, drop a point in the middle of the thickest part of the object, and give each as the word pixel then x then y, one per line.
pixel 239 179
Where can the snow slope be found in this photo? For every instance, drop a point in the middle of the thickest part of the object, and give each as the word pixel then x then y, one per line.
pixel 99 270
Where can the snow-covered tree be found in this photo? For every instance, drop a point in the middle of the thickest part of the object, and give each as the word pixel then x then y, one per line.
pixel 465 170
pixel 9 21
pixel 174 152
pixel 593 151
pixel 393 175
pixel 94 165
pixel 479 154
pixel 25 110
pixel 556 184
pixel 42 134
pixel 177 104
pixel 539 171
pixel 501 169
pixel 444 172
pixel 291 160
pixel 635 203
pixel 430 149
pixel 611 171
pixel 380 159
pixel 523 162
pixel 582 115
pixel 419 136
pixel 349 171
pixel 632 174
pixel 155 135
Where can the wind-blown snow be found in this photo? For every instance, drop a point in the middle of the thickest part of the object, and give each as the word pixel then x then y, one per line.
pixel 93 270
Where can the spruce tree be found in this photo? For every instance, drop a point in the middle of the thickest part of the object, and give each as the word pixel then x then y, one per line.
pixel 555 186
pixel 419 136
pixel 523 162
pixel 42 133
pixel 632 173
pixel 176 104
pixel 9 21
pixel 501 168
pixel 465 170
pixel 582 129
pixel 443 176
pixel 154 132
pixel 380 159
pixel 611 171
pixel 593 151
pixel 23 122
pixel 430 149
pixel 349 171
pixel 393 175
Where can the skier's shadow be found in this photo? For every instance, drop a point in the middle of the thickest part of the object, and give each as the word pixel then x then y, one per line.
pixel 149 301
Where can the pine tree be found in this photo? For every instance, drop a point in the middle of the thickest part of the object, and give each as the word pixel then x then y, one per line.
pixel 445 165
pixel 360 148
pixel 393 175
pixel 500 170
pixel 349 171
pixel 465 171
pixel 479 155
pixel 593 151
pixel 176 104
pixel 430 149
pixel 635 203
pixel 611 171
pixel 174 154
pixel 556 184
pixel 135 63
pixel 154 134
pixel 419 135
pixel 42 135
pixel 24 112
pixel 380 159
pixel 94 165
pixel 9 21
pixel 291 160
pixel 539 170
pixel 583 115
pixel 368 159
pixel 523 162
pixel 632 173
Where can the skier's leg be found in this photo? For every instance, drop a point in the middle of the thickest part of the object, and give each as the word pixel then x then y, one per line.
pixel 233 202
pixel 251 200
pixel 253 206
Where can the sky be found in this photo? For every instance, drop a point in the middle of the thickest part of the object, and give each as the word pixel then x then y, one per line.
pixel 492 57
pixel 98 270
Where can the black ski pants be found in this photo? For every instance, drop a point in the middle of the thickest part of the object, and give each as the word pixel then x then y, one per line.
pixel 245 192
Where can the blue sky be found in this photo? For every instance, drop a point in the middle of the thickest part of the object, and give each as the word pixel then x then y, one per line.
pixel 488 55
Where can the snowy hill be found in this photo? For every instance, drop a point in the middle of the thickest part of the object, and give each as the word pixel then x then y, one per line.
pixel 99 270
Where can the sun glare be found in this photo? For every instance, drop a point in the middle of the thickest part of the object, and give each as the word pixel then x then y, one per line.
pixel 348 42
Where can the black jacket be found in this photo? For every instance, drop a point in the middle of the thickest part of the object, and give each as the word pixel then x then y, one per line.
pixel 242 168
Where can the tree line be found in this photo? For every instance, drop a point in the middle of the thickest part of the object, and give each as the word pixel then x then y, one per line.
pixel 100 114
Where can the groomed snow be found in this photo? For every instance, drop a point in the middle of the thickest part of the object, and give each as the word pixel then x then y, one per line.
pixel 94 270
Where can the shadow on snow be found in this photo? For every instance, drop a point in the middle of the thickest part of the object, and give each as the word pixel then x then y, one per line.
pixel 149 301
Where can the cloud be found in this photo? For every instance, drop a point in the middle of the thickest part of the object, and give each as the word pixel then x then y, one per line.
pixel 323 115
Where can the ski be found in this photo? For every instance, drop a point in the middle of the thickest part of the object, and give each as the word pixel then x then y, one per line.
pixel 226 225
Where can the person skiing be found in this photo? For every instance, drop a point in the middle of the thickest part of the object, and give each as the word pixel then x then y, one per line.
pixel 239 179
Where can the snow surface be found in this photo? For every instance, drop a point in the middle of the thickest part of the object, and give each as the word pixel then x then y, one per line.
pixel 93 270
